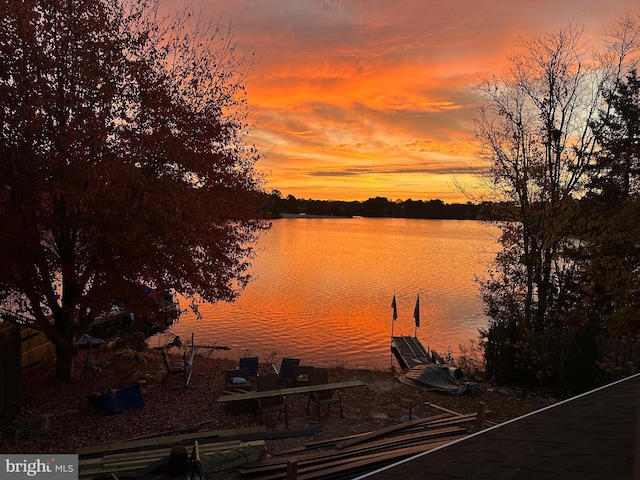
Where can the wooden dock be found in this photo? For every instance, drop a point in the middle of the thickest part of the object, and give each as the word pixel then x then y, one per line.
pixel 409 351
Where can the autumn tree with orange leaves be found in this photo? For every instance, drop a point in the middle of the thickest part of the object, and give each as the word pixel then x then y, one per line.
pixel 123 162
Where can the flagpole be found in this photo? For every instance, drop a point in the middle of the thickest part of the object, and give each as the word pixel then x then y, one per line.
pixel 394 315
pixel 416 315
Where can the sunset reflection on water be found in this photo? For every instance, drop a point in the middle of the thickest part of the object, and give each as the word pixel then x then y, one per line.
pixel 323 291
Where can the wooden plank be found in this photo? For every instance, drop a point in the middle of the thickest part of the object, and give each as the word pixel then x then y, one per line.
pixel 469 417
pixel 186 429
pixel 442 409
pixel 144 454
pixel 122 456
pixel 245 450
pixel 319 444
pixel 290 391
pixel 405 428
pixel 381 445
pixel 368 463
pixel 288 433
pixel 406 439
pixel 171 439
pixel 357 464
pixel 330 465
pixel 385 431
pixel 147 455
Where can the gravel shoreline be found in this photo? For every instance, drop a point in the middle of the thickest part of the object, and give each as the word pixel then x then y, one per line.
pixel 72 421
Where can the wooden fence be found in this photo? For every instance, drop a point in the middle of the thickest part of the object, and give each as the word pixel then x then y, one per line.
pixel 557 353
pixel 620 351
pixel 35 347
pixel 557 343
pixel 10 390
pixel 20 348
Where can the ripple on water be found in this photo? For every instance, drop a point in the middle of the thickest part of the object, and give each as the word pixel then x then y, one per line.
pixel 324 288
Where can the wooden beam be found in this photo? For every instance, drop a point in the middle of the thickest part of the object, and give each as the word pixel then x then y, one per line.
pixel 292 469
pixel 215 455
pixel 328 465
pixel 366 463
pixel 482 416
pixel 442 409
pixel 290 391
pixel 166 440
pixel 320 458
pixel 385 431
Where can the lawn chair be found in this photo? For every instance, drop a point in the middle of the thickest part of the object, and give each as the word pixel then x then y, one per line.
pixel 250 364
pixel 320 376
pixel 286 368
pixel 300 375
pixel 277 403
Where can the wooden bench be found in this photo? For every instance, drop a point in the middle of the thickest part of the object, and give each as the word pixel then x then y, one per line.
pixel 289 391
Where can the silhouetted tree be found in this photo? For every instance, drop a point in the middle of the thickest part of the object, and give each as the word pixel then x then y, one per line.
pixel 608 256
pixel 123 162
pixel 535 130
pixel 376 207
pixel 615 176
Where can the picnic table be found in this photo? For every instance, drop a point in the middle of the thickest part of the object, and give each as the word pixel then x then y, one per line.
pixel 289 391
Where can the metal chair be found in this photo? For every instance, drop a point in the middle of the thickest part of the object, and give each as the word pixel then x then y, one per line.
pixel 276 403
pixel 286 367
pixel 300 375
pixel 320 376
pixel 237 380
pixel 250 364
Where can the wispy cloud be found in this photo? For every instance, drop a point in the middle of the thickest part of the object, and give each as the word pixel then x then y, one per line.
pixel 355 98
pixel 436 169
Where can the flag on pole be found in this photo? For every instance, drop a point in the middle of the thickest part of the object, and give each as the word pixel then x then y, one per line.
pixel 395 309
pixel 416 311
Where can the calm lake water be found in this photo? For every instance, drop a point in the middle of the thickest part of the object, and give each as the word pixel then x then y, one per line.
pixel 323 290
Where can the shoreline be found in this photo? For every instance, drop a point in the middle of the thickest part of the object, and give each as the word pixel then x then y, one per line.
pixel 304 215
pixel 73 422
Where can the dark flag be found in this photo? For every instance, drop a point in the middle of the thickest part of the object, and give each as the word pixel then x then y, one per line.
pixel 395 309
pixel 416 311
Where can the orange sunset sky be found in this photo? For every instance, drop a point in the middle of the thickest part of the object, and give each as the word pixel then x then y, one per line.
pixel 354 99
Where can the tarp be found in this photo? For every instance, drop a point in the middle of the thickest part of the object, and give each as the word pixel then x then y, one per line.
pixel 87 340
pixel 442 378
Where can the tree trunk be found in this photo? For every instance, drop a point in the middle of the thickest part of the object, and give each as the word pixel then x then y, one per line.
pixel 62 336
pixel 65 360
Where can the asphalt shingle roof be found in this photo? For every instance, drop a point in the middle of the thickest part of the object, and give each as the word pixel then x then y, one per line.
pixel 592 436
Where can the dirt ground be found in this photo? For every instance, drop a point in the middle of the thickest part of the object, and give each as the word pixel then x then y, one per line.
pixel 72 421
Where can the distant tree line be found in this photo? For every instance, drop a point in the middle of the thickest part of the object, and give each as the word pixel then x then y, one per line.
pixel 383 207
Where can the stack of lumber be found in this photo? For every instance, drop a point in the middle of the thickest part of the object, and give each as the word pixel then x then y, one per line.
pixel 218 450
pixel 348 457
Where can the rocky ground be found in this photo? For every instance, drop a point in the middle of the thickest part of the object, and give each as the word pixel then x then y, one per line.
pixel 68 420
